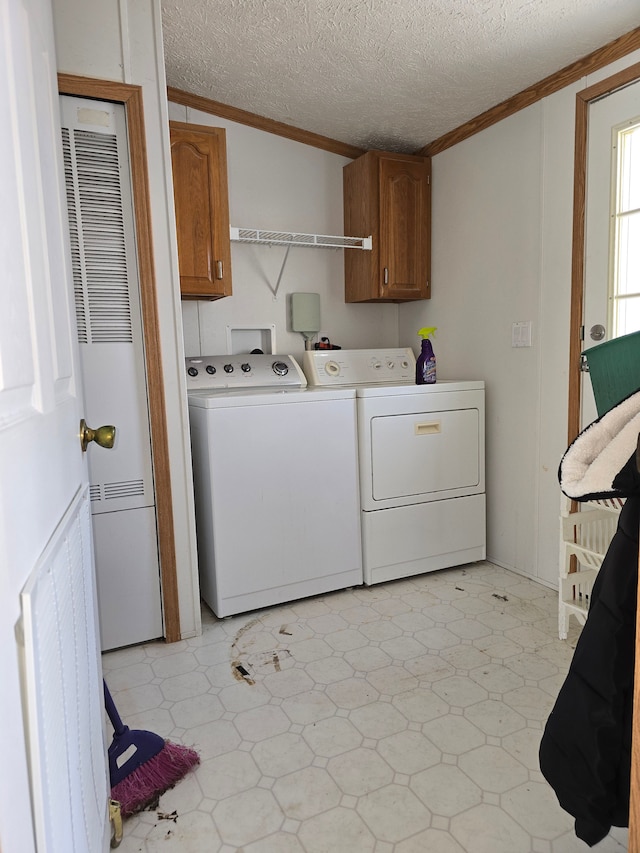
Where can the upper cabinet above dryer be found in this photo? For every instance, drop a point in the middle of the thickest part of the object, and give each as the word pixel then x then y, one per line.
pixel 388 196
pixel 199 163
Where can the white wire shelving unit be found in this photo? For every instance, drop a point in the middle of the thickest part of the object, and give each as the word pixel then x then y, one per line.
pixel 294 238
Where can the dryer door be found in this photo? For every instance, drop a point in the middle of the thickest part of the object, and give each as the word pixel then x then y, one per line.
pixel 425 454
pixel 421 448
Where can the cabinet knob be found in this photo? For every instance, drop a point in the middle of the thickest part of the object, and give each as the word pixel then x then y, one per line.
pixel 385 279
pixel 219 269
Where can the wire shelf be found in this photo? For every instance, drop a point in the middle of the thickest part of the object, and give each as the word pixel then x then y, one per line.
pixel 287 238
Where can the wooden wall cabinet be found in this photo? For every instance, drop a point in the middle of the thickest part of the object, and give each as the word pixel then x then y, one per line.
pixel 388 196
pixel 199 163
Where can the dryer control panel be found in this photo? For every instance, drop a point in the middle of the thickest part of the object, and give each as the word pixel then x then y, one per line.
pixel 393 366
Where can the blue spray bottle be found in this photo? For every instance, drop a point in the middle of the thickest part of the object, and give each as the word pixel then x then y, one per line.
pixel 426 362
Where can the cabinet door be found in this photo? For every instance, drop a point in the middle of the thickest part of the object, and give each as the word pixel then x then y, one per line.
pixel 199 162
pixel 404 228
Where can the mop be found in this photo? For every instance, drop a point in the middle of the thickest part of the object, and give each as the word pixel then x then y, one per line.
pixel 142 765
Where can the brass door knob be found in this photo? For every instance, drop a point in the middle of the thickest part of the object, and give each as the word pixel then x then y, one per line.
pixel 104 435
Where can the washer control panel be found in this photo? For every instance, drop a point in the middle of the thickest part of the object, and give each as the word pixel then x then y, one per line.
pixel 394 366
pixel 243 371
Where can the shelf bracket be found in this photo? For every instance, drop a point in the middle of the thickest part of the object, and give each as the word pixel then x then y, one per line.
pixel 284 263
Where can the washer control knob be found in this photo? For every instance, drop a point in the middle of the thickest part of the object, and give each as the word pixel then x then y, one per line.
pixel 228 368
pixel 246 368
pixel 332 368
pixel 376 364
pixel 404 364
pixel 210 369
pixel 280 368
pixel 192 371
pixel 390 364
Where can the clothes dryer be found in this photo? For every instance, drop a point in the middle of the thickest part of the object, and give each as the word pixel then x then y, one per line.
pixel 421 461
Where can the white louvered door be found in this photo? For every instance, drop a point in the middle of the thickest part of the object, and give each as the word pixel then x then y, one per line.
pixel 110 334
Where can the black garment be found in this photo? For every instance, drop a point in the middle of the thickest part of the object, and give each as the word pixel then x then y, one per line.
pixel 585 752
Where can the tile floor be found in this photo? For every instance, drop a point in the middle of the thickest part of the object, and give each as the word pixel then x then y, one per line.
pixel 399 718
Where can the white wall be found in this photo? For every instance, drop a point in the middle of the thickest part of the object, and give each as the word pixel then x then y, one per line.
pixel 122 41
pixel 502 232
pixel 281 185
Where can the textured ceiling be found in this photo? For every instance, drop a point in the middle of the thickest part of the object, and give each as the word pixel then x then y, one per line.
pixel 389 74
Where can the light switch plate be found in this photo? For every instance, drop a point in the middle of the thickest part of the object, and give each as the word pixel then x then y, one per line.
pixel 521 334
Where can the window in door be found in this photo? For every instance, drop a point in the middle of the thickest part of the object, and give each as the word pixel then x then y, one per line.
pixel 624 291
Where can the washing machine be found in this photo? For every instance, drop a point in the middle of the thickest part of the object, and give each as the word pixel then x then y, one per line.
pixel 275 468
pixel 421 461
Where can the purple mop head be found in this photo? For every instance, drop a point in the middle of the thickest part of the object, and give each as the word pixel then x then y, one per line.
pixel 142 787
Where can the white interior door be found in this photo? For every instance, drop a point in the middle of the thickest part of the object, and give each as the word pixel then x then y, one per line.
pixel 604 115
pixel 53 781
pixel 112 360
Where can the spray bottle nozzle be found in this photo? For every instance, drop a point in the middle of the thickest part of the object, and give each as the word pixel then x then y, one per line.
pixel 427 331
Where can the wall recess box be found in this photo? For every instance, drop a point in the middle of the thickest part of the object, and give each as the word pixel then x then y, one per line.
pixel 247 338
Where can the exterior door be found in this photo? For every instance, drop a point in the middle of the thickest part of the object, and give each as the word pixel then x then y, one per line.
pixel 605 115
pixel 53 781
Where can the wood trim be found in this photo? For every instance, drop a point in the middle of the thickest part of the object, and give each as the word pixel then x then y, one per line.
pixel 577 265
pixel 588 64
pixel 131 97
pixel 206 105
pixel 611 84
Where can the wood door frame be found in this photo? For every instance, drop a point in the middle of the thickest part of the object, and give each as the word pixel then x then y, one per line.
pixel 131 98
pixel 583 100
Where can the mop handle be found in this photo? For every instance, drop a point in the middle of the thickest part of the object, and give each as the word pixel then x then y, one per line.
pixel 118 726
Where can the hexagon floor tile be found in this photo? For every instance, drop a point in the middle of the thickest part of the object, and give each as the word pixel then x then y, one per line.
pixel 390 719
